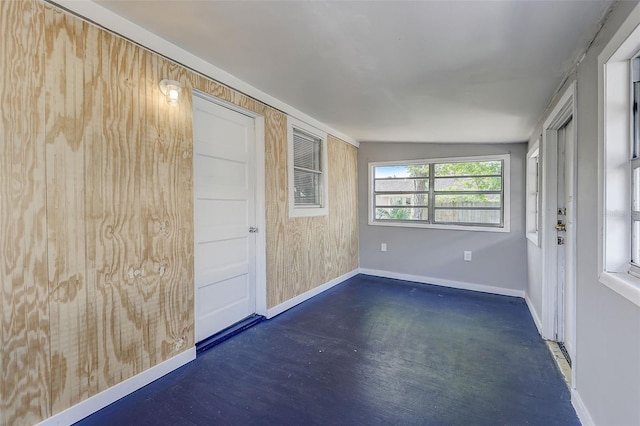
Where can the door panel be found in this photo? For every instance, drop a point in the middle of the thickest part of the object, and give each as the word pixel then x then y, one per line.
pixel 566 248
pixel 224 209
pixel 569 299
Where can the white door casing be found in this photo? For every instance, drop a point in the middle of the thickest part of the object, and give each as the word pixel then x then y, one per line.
pixel 562 240
pixel 558 299
pixel 225 253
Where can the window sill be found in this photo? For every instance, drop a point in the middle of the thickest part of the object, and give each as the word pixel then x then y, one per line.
pixel 624 284
pixel 437 226
pixel 308 211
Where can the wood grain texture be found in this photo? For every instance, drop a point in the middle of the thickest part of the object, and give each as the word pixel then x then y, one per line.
pixel 65 206
pixel 93 136
pixel 277 204
pixel 119 151
pixel 342 235
pixel 177 301
pixel 24 312
pixel 303 253
pixel 96 211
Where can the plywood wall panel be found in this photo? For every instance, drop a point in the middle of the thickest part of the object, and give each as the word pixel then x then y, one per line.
pixel 97 304
pixel 65 207
pixel 177 297
pixel 108 174
pixel 24 327
pixel 155 225
pixel 277 204
pixel 343 209
pixel 120 194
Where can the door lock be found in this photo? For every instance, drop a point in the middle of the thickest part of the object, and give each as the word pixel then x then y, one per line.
pixel 253 230
pixel 561 227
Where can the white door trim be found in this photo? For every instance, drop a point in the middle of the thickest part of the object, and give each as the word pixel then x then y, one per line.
pixel 261 240
pixel 564 110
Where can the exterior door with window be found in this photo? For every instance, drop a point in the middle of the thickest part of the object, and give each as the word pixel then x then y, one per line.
pixel 224 208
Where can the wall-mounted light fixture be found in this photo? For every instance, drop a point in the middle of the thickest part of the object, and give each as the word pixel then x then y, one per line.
pixel 171 90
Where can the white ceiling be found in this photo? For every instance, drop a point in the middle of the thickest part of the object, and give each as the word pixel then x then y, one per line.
pixel 432 71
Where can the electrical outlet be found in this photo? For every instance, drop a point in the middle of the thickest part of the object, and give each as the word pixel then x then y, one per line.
pixel 383 247
pixel 467 256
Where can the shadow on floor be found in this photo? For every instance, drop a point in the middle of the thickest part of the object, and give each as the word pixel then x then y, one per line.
pixel 370 351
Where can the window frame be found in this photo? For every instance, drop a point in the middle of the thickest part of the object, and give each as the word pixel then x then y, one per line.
pixel 506 194
pixel 634 168
pixel 615 150
pixel 534 193
pixel 323 182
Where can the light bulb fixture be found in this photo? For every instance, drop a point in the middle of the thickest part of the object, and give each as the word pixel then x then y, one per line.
pixel 171 90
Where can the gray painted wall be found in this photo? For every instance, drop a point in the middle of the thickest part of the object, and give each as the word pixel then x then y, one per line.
pixel 499 259
pixel 607 364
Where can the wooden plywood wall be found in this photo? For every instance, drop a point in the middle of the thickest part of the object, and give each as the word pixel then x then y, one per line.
pixel 303 253
pixel 96 211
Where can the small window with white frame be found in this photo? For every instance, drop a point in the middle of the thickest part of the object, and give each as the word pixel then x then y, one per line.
pixel 533 201
pixel 470 193
pixel 308 171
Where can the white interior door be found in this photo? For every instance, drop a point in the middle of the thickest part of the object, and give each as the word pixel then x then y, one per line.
pixel 224 206
pixel 567 237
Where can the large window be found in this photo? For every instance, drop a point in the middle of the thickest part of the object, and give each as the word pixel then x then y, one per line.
pixel 459 193
pixel 307 170
pixel 619 161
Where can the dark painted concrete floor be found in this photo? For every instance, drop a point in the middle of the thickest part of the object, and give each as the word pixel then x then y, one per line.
pixel 371 351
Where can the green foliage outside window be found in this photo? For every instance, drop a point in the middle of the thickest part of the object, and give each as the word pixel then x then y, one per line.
pixel 462 192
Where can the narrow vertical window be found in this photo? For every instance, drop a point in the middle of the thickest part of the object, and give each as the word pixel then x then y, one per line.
pixel 533 193
pixel 635 168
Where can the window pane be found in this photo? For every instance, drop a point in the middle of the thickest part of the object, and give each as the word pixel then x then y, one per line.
pixel 460 193
pixel 401 185
pixel 473 168
pixel 635 196
pixel 402 200
pixel 306 188
pixel 413 170
pixel 635 243
pixel 636 121
pixel 402 213
pixel 469 184
pixel 491 217
pixel 468 200
pixel 306 151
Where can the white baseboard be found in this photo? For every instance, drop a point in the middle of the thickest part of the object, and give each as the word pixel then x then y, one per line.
pixel 122 389
pixel 444 283
pixel 276 310
pixel 534 314
pixel 581 409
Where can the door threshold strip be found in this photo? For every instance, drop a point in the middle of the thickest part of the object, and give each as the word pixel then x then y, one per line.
pixel 561 361
pixel 564 351
pixel 227 333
